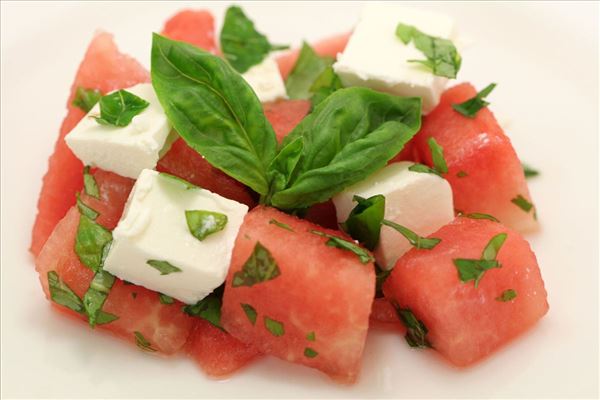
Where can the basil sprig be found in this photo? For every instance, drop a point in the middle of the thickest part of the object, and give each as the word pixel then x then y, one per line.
pixel 242 45
pixel 120 107
pixel 364 221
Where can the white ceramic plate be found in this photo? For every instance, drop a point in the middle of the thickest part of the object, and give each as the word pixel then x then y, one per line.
pixel 544 57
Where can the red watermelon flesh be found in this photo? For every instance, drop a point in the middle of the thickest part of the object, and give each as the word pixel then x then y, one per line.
pixel 114 191
pixel 284 115
pixel 218 353
pixel 194 27
pixel 479 148
pixel 467 323
pixel 103 68
pixel 320 289
pixel 382 311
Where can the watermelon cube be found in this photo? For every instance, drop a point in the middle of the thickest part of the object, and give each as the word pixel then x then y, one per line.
pixel 284 115
pixel 469 319
pixel 195 27
pixel 483 169
pixel 291 295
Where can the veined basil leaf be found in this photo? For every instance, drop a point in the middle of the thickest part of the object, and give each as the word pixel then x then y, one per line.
pixel 310 353
pixel 415 240
pixel 481 216
pixel 273 221
pixel 86 99
pixel 209 309
pixel 164 299
pixel 89 184
pixel 250 312
pixel 348 136
pixel 437 155
pixel 273 326
pixel 91 243
pixel 416 331
pixel 260 267
pixel 164 267
pixel 507 295
pixel 62 294
pixel 470 107
pixel 423 169
pixel 442 57
pixel 120 107
pixel 364 221
pixel 215 111
pixel 142 342
pixel 325 84
pixel 522 203
pixel 334 241
pixel 202 223
pixel 86 210
pixel 242 45
pixel 529 171
pixel 96 295
pixel 309 66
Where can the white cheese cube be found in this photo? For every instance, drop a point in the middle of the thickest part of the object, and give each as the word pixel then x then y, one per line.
pixel 376 58
pixel 123 150
pixel 422 202
pixel 265 79
pixel 154 227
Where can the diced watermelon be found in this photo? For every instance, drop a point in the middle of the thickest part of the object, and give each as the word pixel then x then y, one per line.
pixel 467 323
pixel 479 148
pixel 103 68
pixel 326 47
pixel 194 27
pixel 114 191
pixel 217 352
pixel 284 115
pixel 320 289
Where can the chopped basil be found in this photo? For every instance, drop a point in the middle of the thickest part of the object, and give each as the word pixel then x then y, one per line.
pixel 461 174
pixel 522 203
pixel 507 295
pixel 470 107
pixel 380 277
pixel 334 241
pixel 242 45
pixel 250 312
pixel 310 353
pixel 490 252
pixel 164 267
pixel 202 223
pixel 437 155
pixel 173 178
pixel 325 84
pixel 364 221
pixel 306 72
pixel 415 240
pixel 92 242
pixel 105 318
pixel 164 299
pixel 474 269
pixel 416 331
pixel 423 169
pixel 86 99
pixel 142 342
pixel 273 221
pixel 96 295
pixel 89 184
pixel 481 216
pixel 209 309
pixel 273 326
pixel 86 210
pixel 311 336
pixel 119 108
pixel 62 294
pixel 260 267
pixel 442 57
pixel 529 171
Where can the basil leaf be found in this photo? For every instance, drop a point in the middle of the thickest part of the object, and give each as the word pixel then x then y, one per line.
pixel 86 99
pixel 416 331
pixel 260 267
pixel 507 295
pixel 89 184
pixel 380 277
pixel 415 240
pixel 437 155
pixel 242 45
pixel 350 135
pixel 273 326
pixel 120 107
pixel 142 342
pixel 164 299
pixel 92 242
pixel 284 164
pixel 86 210
pixel 209 309
pixel 470 107
pixel 472 269
pixel 364 221
pixel 202 223
pixel 325 84
pixel 105 318
pixel 481 216
pixel 308 68
pixel 423 169
pixel 442 58
pixel 281 225
pixel 310 353
pixel 311 336
pixel 529 171
pixel 176 179
pixel 96 295
pixel 461 174
pixel 250 312
pixel 214 110
pixel 522 203
pixel 164 267
pixel 62 294
pixel 334 241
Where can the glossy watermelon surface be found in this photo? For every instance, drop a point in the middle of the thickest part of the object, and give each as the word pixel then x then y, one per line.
pixel 483 168
pixel 196 27
pixel 467 323
pixel 321 297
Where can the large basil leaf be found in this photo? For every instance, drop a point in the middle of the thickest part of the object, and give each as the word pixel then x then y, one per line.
pixel 305 72
pixel 351 134
pixel 215 111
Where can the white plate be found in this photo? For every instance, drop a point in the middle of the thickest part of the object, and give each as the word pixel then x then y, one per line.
pixel 544 57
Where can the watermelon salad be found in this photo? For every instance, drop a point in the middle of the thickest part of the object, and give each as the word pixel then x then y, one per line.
pixel 243 199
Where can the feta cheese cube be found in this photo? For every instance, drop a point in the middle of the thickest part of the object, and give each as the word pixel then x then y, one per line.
pixel 154 227
pixel 124 150
pixel 376 58
pixel 422 202
pixel 265 79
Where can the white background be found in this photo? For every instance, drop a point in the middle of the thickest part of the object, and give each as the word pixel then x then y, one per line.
pixel 544 56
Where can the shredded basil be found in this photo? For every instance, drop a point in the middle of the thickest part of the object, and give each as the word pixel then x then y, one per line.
pixel 507 295
pixel 92 242
pixel 474 269
pixel 471 107
pixel 415 240
pixel 273 221
pixel 202 223
pixel 250 312
pixel 333 241
pixel 416 331
pixel 437 155
pixel 142 342
pixel 260 267
pixel 310 353
pixel 119 108
pixel 481 216
pixel 529 171
pixel 522 203
pixel 86 210
pixel 273 326
pixel 96 295
pixel 423 169
pixel 62 294
pixel 89 184
pixel 209 309
pixel 164 299
pixel 311 336
pixel 86 99
pixel 164 267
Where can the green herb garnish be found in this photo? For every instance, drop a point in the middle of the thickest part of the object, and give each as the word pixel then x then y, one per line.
pixel 310 353
pixel 507 295
pixel 273 326
pixel 119 108
pixel 209 309
pixel 423 169
pixel 304 75
pixel 89 184
pixel 178 180
pixel 96 295
pixel 437 155
pixel 164 299
pixel 529 171
pixel 142 342
pixel 325 84
pixel 273 221
pixel 164 267
pixel 62 294
pixel 481 216
pixel 442 57
pixel 311 336
pixel 202 223
pixel 415 240
pixel 470 107
pixel 260 267
pixel 334 241
pixel 522 203
pixel 416 331
pixel 474 269
pixel 92 242
pixel 364 221
pixel 461 174
pixel 86 99
pixel 86 210
pixel 250 312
